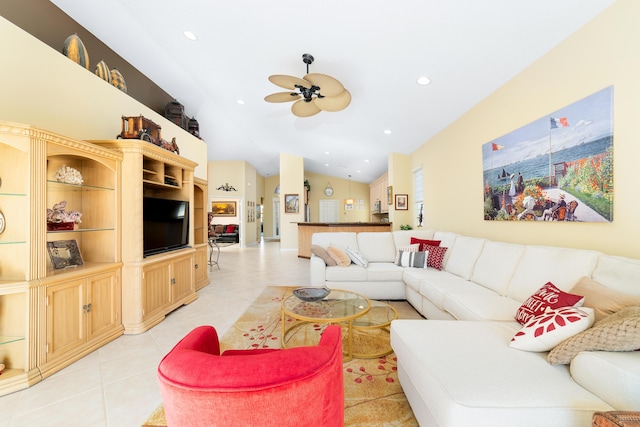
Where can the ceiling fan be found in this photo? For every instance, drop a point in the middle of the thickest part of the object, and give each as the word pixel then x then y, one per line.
pixel 313 93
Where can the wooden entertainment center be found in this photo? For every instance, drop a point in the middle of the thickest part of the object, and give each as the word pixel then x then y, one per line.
pixel 52 317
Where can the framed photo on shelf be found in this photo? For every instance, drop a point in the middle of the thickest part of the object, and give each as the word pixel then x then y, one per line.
pixel 64 254
pixel 402 202
pixel 291 203
pixel 222 208
pixel 389 195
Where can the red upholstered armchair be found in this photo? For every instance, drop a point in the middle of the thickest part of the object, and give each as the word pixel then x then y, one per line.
pixel 266 387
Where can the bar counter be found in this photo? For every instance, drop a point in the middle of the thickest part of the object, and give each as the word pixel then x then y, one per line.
pixel 306 230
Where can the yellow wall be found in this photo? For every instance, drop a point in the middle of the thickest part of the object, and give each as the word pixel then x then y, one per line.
pixel 43 88
pixel 359 191
pixel 291 182
pixel 601 54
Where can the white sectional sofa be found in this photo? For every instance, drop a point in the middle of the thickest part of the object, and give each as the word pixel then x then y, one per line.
pixel 462 373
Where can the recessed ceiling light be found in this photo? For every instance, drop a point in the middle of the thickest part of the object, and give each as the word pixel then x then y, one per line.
pixel 326 152
pixel 240 101
pixel 326 164
pixel 423 80
pixel 190 35
pixel 387 131
pixel 366 160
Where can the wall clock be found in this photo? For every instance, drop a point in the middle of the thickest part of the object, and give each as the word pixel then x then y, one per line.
pixel 328 190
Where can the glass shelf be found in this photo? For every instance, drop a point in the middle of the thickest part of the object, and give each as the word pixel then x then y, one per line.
pixel 76 187
pixel 81 230
pixel 7 340
pixel 13 243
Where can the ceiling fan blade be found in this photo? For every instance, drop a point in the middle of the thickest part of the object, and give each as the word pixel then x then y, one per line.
pixel 282 97
pixel 288 82
pixel 329 86
pixel 334 103
pixel 301 108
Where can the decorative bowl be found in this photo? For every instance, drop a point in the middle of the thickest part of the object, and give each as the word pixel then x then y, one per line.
pixel 311 294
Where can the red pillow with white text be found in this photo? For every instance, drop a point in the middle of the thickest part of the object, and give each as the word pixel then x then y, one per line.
pixel 425 242
pixel 435 257
pixel 547 296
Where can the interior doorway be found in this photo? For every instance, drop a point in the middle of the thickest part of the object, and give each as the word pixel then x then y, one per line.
pixel 276 217
pixel 328 211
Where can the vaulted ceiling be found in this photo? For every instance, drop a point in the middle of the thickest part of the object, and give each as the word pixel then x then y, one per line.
pixel 377 49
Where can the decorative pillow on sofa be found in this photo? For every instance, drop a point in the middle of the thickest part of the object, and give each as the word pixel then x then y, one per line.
pixel 230 228
pixel 425 242
pixel 357 258
pixel 547 296
pixel 618 332
pixel 339 256
pixel 413 259
pixel 411 248
pixel 436 256
pixel 545 331
pixel 321 252
pixel 605 301
pixel 219 229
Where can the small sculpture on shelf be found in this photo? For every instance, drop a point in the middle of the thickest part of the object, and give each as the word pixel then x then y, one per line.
pixel 69 175
pixel 60 219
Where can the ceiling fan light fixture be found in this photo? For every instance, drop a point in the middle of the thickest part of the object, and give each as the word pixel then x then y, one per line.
pixel 319 92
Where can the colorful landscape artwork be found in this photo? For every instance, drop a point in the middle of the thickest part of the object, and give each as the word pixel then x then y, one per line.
pixel 557 168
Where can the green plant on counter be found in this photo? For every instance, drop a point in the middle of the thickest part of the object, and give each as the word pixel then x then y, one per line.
pixel 405 227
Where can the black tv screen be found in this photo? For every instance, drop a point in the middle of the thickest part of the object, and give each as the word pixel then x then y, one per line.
pixel 165 224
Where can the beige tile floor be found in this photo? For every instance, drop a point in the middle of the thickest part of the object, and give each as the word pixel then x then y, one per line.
pixel 116 385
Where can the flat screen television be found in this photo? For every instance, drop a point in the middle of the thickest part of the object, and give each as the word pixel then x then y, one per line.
pixel 165 225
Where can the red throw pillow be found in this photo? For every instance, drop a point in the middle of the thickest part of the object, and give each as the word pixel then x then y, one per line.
pixel 424 242
pixel 230 229
pixel 547 296
pixel 436 255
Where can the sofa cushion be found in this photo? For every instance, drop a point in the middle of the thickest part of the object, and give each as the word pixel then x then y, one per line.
pixel 436 285
pixel 542 264
pixel 408 248
pixel 339 256
pixel 479 303
pixel 357 257
pixel 322 253
pixel 496 264
pixel 619 273
pixel 340 239
pixel 447 239
pixel 618 332
pixel 548 296
pixel 603 300
pixel 384 272
pixel 376 247
pixel 545 331
pixel 612 376
pixel 424 242
pixel 464 254
pixel 473 378
pixel 403 237
pixel 352 273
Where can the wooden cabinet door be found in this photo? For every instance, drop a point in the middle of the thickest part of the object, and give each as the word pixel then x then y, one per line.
pixel 103 304
pixel 156 289
pixel 66 317
pixel 200 267
pixel 182 280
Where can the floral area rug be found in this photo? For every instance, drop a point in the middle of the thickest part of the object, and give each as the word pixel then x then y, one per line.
pixel 373 395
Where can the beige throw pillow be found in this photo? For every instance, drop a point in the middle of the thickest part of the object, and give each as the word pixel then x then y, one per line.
pixel 603 300
pixel 321 252
pixel 339 256
pixel 618 332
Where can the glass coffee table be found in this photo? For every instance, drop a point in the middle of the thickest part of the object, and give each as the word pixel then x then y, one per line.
pixel 302 320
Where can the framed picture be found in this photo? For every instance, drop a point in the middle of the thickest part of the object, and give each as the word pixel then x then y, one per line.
pixel 64 254
pixel 389 195
pixel 402 202
pixel 220 208
pixel 290 203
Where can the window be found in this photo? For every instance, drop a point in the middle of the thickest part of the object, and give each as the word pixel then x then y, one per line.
pixel 418 195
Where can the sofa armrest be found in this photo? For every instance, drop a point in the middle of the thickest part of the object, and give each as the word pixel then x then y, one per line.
pixel 317 271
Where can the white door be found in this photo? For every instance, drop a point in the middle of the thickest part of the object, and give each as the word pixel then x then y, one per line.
pixel 328 210
pixel 276 217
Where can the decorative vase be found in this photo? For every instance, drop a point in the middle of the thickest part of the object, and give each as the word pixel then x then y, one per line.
pixel 60 226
